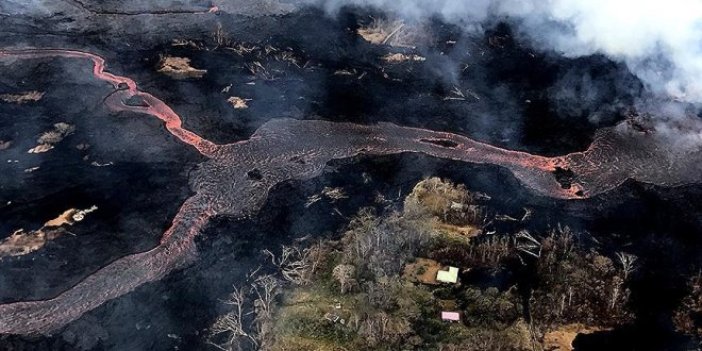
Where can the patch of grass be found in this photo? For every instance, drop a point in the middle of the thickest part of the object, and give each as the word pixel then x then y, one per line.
pixel 303 315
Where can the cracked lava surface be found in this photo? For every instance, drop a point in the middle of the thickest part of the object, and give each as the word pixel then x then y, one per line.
pixel 285 149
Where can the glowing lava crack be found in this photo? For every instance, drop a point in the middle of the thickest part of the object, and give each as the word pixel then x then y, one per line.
pixel 236 179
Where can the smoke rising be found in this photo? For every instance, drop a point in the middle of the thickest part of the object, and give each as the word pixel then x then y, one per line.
pixel 659 41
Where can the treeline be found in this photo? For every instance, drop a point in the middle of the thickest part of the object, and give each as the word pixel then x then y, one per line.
pixel 355 293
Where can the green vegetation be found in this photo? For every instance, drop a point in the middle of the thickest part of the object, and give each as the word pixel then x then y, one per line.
pixel 688 317
pixel 373 288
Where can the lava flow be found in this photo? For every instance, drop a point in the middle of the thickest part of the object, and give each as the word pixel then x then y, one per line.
pixel 236 179
pixel 126 89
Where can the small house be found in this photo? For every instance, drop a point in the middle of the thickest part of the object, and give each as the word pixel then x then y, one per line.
pixel 449 276
pixel 450 316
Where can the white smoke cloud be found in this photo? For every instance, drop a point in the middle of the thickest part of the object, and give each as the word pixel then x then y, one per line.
pixel 659 40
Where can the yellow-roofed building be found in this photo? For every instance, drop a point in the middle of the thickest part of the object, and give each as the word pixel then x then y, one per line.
pixel 449 276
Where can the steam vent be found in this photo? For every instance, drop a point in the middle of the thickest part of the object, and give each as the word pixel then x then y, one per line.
pixel 323 175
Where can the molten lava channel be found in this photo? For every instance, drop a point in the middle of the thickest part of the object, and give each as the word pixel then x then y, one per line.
pixel 236 179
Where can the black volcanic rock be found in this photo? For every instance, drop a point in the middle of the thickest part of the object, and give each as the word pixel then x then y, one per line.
pixel 139 175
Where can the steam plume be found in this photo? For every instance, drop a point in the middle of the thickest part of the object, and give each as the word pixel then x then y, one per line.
pixel 660 41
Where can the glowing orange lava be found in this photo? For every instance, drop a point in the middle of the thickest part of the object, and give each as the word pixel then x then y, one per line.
pixel 285 149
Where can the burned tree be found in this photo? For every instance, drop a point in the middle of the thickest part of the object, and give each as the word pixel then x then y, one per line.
pixel 297 265
pixel 248 324
pixel 583 285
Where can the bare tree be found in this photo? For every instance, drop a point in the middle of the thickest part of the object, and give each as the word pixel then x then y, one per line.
pixel 344 274
pixel 490 251
pixel 558 246
pixel 297 265
pixel 231 326
pixel 527 244
pixel 220 37
pixel 628 262
pixel 266 289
